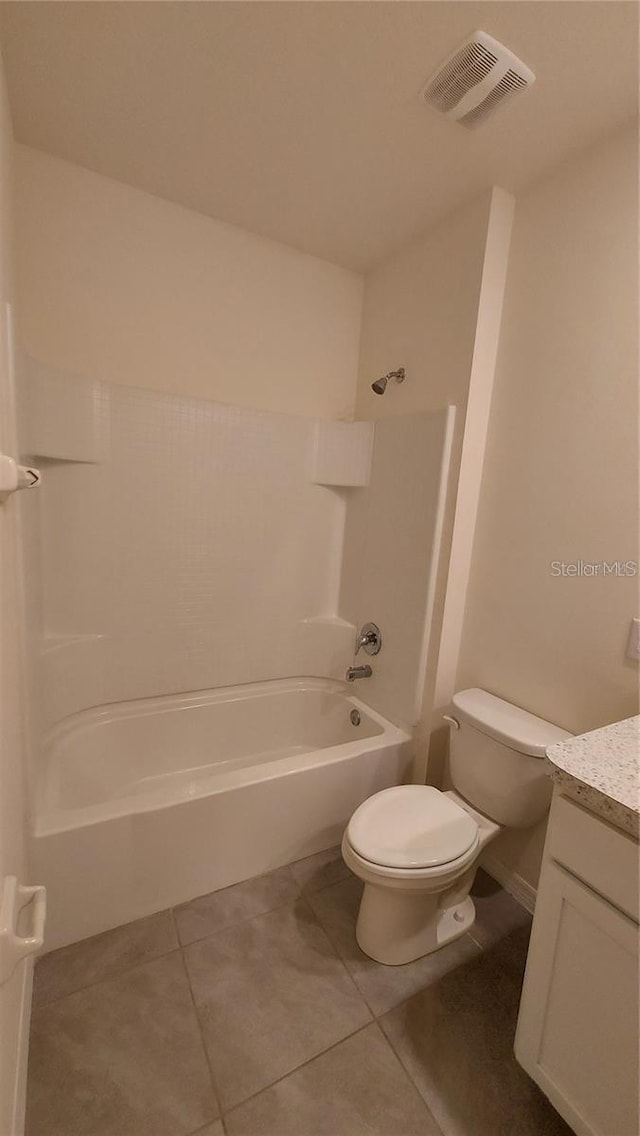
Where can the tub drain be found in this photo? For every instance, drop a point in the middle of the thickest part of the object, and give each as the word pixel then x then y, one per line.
pixel 355 718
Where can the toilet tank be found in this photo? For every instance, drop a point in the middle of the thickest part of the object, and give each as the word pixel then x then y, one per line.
pixel 497 755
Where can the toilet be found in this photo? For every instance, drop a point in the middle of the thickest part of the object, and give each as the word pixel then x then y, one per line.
pixel 417 849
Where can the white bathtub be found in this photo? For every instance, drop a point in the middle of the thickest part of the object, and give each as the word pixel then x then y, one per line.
pixel 145 804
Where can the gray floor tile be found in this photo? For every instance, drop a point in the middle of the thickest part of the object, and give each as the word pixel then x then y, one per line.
pixel 456 1040
pixel 103 956
pixel 356 1089
pixel 511 953
pixel 210 913
pixel 271 994
pixel 315 872
pixel 497 912
pixel 121 1058
pixel 381 986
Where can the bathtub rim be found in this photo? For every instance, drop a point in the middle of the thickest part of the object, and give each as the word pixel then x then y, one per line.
pixel 48 822
pixel 142 707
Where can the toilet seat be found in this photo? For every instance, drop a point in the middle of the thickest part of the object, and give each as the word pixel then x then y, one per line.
pixel 411 827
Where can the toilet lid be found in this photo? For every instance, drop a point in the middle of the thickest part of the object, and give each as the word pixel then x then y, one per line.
pixel 411 826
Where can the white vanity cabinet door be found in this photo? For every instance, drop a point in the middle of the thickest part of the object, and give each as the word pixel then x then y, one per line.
pixel 578 1026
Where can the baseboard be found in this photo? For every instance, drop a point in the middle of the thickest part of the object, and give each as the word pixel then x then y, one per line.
pixel 524 892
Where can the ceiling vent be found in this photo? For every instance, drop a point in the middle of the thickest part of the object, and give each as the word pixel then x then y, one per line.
pixel 477 78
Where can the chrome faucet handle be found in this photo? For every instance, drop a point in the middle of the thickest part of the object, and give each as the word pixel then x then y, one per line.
pixel 369 639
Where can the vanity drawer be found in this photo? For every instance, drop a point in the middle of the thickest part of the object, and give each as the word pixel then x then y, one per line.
pixel 596 852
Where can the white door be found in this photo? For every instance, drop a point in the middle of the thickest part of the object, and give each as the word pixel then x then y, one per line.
pixel 15 989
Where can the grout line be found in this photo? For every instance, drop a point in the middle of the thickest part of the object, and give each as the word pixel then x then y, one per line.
pixel 308 1061
pixel 340 959
pixel 408 1075
pixel 205 1127
pixel 432 982
pixel 212 1077
pixel 332 883
pixel 172 912
pixel 370 1008
pixel 179 945
pixel 37 1005
pixel 377 1015
pixel 245 919
pixel 237 922
pixel 472 936
pixel 303 893
pixel 296 1069
pixel 325 887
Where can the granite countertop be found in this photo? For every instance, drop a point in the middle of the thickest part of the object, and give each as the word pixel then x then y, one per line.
pixel 601 770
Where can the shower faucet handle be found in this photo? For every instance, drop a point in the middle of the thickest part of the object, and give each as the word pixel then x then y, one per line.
pixel 369 639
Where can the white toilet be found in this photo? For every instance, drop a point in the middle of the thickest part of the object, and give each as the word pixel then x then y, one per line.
pixel 417 849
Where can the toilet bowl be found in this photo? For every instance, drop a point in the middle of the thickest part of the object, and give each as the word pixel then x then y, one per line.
pixel 417 849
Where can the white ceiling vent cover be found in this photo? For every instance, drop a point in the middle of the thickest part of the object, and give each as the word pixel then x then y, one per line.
pixel 476 79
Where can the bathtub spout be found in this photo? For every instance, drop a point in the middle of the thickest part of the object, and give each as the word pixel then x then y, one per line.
pixel 358 672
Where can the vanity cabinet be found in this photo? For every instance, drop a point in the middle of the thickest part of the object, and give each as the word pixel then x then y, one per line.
pixel 578 1025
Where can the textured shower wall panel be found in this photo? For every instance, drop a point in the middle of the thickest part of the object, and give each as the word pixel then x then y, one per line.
pixel 189 557
pixel 391 550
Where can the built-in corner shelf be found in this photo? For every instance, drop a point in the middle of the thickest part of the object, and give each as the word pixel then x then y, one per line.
pixel 341 455
pixel 62 416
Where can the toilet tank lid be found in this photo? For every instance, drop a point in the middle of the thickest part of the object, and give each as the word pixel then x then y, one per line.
pixel 516 728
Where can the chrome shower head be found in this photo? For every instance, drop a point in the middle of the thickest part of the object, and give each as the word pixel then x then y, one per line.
pixel 380 385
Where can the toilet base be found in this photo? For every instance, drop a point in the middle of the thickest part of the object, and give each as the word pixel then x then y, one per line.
pixel 396 927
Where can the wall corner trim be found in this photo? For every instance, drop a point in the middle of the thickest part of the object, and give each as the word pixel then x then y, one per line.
pixel 483 367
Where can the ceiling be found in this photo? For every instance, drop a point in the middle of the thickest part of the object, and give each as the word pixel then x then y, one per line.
pixel 303 121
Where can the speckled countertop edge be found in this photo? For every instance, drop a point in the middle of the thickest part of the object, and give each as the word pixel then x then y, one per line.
pixel 601 770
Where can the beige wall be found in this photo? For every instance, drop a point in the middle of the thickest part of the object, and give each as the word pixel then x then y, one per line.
pixel 561 470
pixel 419 312
pixel 121 286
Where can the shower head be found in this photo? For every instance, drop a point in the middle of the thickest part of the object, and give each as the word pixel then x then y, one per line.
pixel 380 385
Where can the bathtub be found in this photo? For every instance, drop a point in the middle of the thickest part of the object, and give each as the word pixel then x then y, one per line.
pixel 146 804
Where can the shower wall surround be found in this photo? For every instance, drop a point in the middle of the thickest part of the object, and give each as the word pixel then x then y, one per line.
pixel 184 544
pixel 393 534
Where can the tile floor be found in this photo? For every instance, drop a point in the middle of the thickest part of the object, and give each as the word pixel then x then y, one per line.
pixel 252 1012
